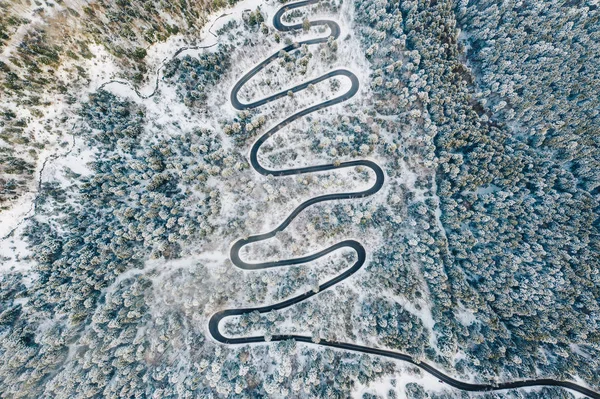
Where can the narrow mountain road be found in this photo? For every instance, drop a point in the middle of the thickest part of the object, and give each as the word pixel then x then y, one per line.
pixel 215 320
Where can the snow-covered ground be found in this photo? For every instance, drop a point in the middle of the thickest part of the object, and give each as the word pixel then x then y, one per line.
pixel 273 202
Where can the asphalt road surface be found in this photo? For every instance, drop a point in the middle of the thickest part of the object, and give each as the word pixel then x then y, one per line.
pixel 213 325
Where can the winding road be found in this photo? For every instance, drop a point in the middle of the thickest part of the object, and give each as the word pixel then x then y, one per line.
pixel 216 318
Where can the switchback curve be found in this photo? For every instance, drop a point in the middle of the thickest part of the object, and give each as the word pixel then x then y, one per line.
pixel 216 318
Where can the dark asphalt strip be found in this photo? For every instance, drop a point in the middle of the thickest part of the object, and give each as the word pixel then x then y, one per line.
pixel 213 324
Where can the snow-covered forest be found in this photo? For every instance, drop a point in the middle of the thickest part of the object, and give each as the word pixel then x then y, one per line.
pixel 482 249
